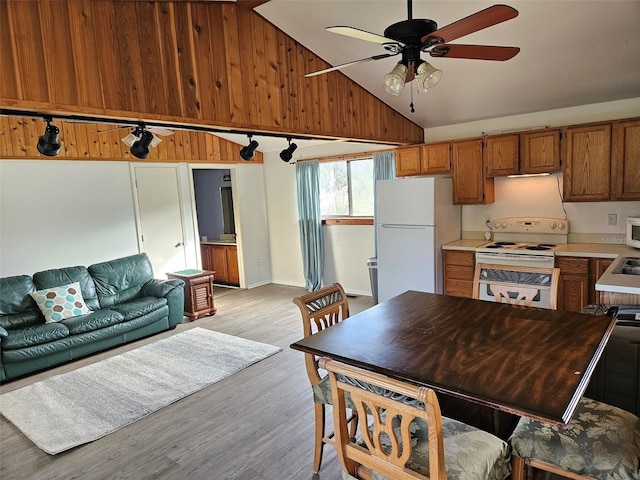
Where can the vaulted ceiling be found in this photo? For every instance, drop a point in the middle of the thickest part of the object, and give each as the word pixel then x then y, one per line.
pixel 573 52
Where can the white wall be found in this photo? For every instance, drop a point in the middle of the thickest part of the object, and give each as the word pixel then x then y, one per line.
pixel 62 213
pixel 539 196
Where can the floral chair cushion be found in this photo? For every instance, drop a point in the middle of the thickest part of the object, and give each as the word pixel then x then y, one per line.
pixel 470 453
pixel 322 391
pixel 601 441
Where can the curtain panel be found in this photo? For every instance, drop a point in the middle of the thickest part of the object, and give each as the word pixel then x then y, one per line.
pixel 384 168
pixel 310 219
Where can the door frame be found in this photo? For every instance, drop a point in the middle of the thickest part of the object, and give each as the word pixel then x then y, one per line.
pixel 187 235
pixel 234 193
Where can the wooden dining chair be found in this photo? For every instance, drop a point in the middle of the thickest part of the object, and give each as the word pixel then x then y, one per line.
pixel 516 285
pixel 600 441
pixel 321 309
pixel 403 433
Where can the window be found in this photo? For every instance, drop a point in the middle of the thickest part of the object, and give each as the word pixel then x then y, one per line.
pixel 346 188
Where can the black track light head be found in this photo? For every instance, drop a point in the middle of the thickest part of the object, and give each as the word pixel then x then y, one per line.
pixel 49 143
pixel 287 154
pixel 247 152
pixel 140 148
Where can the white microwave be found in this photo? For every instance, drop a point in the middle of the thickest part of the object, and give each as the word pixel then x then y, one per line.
pixel 633 231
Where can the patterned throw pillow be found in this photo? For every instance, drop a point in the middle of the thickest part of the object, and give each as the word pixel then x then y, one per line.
pixel 61 302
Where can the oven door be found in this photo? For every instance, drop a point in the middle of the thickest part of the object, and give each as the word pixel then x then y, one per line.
pixel 542 299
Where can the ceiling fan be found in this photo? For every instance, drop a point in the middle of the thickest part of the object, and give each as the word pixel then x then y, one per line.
pixel 412 36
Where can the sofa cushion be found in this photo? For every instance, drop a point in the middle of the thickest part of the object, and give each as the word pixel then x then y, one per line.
pixel 64 276
pixel 140 306
pixel 93 321
pixel 61 302
pixel 36 335
pixel 17 308
pixel 121 280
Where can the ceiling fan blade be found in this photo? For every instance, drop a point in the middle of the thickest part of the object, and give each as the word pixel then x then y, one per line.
pixel 163 132
pixel 355 62
pixel 475 52
pixel 362 35
pixel 478 21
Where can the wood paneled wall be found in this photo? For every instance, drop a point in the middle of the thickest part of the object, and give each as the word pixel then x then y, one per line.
pixel 208 63
pixel 81 141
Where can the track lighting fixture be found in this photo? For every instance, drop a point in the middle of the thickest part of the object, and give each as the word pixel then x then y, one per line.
pixel 287 154
pixel 247 152
pixel 140 141
pixel 49 143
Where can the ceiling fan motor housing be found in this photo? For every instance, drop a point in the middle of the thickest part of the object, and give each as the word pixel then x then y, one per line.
pixel 411 32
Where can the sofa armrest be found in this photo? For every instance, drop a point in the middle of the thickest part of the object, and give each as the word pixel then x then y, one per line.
pixel 173 291
pixel 161 288
pixel 3 333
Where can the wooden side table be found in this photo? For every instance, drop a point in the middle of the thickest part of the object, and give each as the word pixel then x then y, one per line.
pixel 198 292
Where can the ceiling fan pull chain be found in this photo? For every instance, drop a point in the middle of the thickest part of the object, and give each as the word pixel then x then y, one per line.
pixel 413 110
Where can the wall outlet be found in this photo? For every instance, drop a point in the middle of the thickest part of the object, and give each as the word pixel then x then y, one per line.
pixel 612 219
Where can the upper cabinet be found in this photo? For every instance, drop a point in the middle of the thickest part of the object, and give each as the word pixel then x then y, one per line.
pixel 428 159
pixel 625 160
pixel 470 185
pixel 501 155
pixel 540 151
pixel 587 167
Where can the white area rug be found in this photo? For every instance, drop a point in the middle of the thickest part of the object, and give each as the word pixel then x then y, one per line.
pixel 74 408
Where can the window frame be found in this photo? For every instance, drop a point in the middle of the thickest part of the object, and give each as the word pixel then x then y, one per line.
pixel 348 219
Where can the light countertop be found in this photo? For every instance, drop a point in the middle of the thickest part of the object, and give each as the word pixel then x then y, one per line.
pixel 217 242
pixel 464 244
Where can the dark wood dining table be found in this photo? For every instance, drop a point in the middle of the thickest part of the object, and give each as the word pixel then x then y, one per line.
pixel 526 361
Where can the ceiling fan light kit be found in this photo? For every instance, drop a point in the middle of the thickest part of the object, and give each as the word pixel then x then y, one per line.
pixel 411 37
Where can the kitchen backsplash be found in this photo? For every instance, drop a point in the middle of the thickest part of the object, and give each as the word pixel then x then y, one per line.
pixel 541 197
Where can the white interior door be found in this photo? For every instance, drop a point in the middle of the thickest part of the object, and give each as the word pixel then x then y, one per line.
pixel 160 221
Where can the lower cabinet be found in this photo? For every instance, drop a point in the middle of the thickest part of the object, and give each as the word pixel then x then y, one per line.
pixel 578 276
pixel 459 267
pixel 223 260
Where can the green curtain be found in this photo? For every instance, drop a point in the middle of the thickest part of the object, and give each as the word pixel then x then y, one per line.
pixel 310 218
pixel 384 168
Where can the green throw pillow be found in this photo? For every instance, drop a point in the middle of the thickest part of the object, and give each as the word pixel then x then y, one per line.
pixel 62 302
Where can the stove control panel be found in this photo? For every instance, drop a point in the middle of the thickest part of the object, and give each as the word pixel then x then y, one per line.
pixel 531 225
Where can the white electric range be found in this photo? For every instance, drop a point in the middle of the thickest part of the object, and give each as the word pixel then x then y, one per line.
pixel 524 241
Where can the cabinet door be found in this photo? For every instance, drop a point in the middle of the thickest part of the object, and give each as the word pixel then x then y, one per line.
pixel 574 285
pixel 407 161
pixel 501 155
pixel 625 161
pixel 232 265
pixel 436 158
pixel 220 264
pixel 598 267
pixel 470 186
pixel 207 257
pixel 587 167
pixel 540 151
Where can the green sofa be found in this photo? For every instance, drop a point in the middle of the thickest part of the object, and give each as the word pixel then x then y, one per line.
pixel 125 303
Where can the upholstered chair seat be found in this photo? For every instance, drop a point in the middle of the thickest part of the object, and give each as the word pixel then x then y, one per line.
pixel 600 441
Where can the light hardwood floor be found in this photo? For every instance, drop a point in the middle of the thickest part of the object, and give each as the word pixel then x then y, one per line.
pixel 254 425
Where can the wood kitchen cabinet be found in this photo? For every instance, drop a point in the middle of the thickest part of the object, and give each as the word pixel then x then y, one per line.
pixel 407 161
pixel 574 284
pixel 435 158
pixel 625 160
pixel 470 185
pixel 578 277
pixel 587 166
pixel 459 267
pixel 427 159
pixel 540 151
pixel 501 155
pixel 223 260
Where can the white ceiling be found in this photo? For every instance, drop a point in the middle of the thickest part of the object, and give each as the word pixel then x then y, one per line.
pixel 573 52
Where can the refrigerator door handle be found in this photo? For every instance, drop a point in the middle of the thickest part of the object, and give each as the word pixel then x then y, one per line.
pixel 407 227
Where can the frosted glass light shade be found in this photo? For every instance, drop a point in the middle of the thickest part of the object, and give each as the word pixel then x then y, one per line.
pixel 427 77
pixel 394 80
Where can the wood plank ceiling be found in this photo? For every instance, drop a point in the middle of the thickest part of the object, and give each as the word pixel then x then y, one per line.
pixel 185 62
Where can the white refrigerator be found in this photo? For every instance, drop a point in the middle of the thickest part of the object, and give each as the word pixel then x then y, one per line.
pixel 414 218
